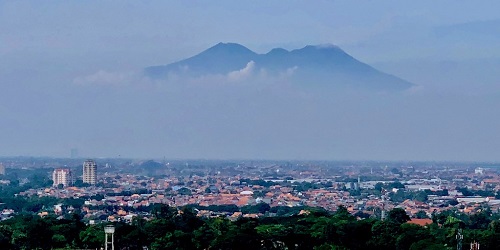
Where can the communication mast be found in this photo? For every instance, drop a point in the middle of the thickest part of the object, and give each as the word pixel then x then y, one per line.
pixel 459 238
pixel 474 246
pixel 382 216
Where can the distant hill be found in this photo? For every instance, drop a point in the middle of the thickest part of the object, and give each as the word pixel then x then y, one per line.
pixel 150 164
pixel 322 65
pixel 150 167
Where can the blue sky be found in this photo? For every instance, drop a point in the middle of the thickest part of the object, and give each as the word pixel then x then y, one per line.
pixel 157 31
pixel 451 49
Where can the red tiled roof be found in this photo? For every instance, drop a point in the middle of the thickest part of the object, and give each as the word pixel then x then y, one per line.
pixel 420 222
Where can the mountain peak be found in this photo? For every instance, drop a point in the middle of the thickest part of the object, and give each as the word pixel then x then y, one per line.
pixel 324 46
pixel 229 44
pixel 323 64
pixel 218 59
pixel 327 46
pixel 277 51
pixel 229 48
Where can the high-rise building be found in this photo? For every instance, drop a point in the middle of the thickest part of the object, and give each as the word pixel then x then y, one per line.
pixel 62 176
pixel 74 153
pixel 2 169
pixel 89 172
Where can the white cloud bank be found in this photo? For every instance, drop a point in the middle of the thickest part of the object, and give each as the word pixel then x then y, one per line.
pixel 250 74
pixel 243 73
pixel 103 77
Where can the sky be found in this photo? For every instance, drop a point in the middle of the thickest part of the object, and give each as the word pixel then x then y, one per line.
pixel 69 79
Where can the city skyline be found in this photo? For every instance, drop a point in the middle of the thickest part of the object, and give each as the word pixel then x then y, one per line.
pixel 250 124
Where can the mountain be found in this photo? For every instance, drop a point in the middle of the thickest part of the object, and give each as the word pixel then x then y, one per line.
pixel 321 65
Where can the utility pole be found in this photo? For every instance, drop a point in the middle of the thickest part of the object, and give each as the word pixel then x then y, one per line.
pixel 474 246
pixel 383 205
pixel 459 238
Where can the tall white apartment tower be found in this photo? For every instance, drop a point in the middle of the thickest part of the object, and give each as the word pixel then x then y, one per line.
pixel 89 172
pixel 62 176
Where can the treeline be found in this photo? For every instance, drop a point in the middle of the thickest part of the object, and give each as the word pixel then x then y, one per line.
pixel 259 208
pixel 182 229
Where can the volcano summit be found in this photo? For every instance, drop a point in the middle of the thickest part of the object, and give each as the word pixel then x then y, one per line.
pixel 320 65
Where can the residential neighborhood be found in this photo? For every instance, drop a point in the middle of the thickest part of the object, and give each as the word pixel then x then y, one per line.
pixel 124 190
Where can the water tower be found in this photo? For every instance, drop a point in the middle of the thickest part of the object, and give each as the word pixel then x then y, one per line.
pixel 110 229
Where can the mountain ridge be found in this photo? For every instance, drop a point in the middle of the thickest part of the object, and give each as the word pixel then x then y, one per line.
pixel 324 64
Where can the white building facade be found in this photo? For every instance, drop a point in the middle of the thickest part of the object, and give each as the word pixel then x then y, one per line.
pixel 90 172
pixel 62 176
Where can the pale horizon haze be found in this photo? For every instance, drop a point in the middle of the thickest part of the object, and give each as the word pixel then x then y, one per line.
pixel 71 77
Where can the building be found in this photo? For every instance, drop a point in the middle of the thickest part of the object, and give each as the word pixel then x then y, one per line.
pixel 2 169
pixel 89 172
pixel 62 176
pixel 74 153
pixel 479 171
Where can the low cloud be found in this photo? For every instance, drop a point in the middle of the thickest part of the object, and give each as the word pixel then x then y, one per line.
pixel 103 77
pixel 243 73
pixel 251 74
pixel 289 72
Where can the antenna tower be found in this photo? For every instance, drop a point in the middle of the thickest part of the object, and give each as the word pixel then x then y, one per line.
pixel 383 205
pixel 459 238
pixel 474 246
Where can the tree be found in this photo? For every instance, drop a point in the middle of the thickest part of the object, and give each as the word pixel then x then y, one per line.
pixel 131 236
pixel 38 234
pixel 322 230
pixel 396 184
pixel 259 208
pixel 465 191
pixel 342 213
pixel 427 244
pixel 59 241
pixel 395 171
pixel 273 234
pixel 420 196
pixel 480 220
pixel 80 183
pixel 453 202
pixel 184 191
pixel 421 215
pixel 379 186
pixel 6 236
pixel 410 233
pixel 398 215
pixel 238 235
pixel 92 237
pixel 203 236
pixel 157 228
pixel 174 240
pixel 329 247
pixel 384 235
pixel 161 210
pixel 19 238
pixel 453 222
